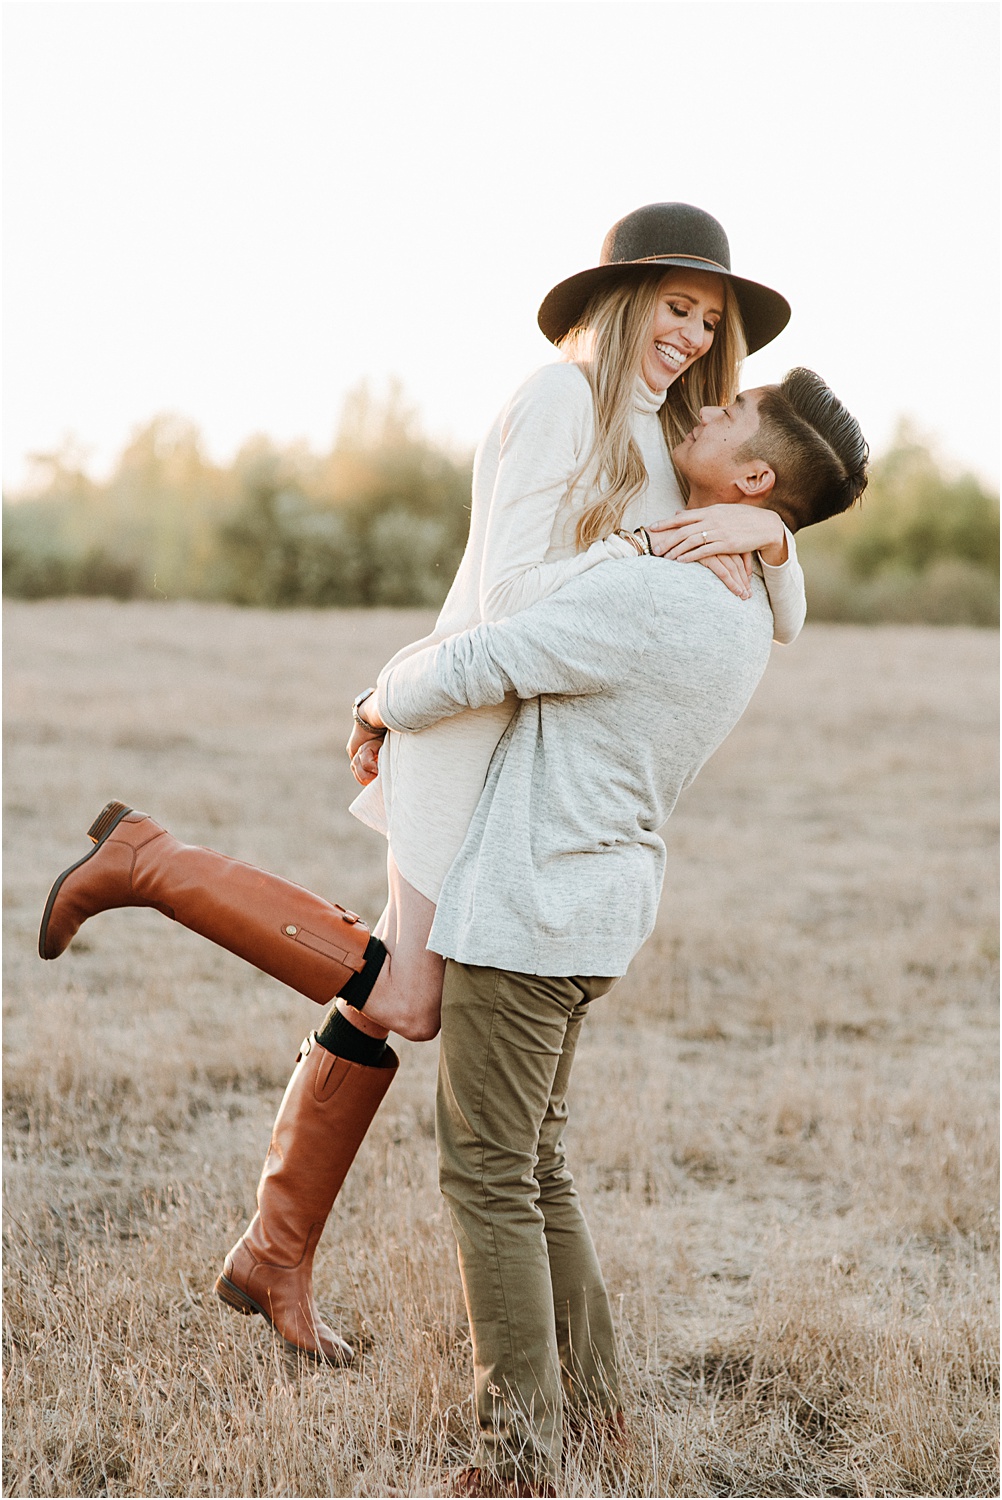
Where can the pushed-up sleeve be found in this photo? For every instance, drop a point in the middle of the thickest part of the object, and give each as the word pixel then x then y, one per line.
pixel 582 640
pixel 787 594
pixel 544 436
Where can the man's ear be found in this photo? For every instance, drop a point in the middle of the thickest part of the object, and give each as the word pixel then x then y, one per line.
pixel 757 481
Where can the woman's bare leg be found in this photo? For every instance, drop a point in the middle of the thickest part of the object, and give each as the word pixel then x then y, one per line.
pixel 407 996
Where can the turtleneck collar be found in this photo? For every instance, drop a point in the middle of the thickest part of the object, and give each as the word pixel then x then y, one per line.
pixel 644 399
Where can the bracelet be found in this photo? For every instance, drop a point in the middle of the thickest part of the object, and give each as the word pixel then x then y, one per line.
pixel 364 723
pixel 647 546
pixel 633 539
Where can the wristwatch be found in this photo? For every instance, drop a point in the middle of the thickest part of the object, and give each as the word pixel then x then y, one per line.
pixel 364 723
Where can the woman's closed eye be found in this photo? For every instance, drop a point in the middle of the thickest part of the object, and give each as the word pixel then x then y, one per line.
pixel 681 311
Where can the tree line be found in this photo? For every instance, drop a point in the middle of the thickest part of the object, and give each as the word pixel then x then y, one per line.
pixel 381 520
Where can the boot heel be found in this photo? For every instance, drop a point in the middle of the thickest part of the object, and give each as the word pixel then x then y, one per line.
pixel 107 819
pixel 105 823
pixel 233 1297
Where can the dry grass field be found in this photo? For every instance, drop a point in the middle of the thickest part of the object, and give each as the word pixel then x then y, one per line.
pixel 783 1118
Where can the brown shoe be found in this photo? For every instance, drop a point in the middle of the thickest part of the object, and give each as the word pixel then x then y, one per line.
pixel 307 943
pixel 327 1108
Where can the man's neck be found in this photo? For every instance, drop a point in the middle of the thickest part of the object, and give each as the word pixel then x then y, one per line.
pixel 701 496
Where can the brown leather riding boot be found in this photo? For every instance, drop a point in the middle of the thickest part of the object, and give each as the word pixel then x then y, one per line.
pixel 321 1122
pixel 307 943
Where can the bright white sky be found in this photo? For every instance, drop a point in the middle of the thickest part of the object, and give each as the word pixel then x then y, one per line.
pixel 235 211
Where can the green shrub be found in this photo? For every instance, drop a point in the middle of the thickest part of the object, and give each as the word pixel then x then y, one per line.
pixel 950 592
pixel 922 546
pixel 382 520
pixel 30 573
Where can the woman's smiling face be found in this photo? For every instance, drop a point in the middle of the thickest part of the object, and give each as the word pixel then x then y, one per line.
pixel 690 305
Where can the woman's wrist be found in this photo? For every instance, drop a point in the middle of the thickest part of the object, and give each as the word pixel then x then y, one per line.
pixel 775 554
pixel 639 540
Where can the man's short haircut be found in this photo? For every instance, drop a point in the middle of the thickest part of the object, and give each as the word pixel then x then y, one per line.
pixel 814 447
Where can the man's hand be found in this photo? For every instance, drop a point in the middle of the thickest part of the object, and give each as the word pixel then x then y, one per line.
pixel 367 734
pixel 358 738
pixel 695 535
pixel 365 761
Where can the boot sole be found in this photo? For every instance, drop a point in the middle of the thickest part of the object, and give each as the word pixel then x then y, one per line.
pixel 234 1298
pixel 105 823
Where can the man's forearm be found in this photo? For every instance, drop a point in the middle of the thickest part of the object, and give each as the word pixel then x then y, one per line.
pixel 438 682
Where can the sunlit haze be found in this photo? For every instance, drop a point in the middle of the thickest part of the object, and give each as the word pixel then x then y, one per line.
pixel 237 211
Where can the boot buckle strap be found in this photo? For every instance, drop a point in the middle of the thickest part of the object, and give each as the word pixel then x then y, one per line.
pixel 321 945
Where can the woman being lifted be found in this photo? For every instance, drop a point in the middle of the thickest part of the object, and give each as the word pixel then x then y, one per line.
pixel 576 470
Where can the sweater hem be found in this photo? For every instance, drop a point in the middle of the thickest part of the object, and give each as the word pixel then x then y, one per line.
pixel 553 963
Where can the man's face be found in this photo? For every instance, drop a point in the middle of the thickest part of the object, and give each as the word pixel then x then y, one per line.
pixel 708 456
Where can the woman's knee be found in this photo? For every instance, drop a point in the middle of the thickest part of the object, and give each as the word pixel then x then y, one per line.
pixel 423 1026
pixel 407 996
pixel 417 1013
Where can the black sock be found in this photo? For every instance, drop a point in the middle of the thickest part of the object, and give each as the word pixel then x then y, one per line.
pixel 345 1040
pixel 359 986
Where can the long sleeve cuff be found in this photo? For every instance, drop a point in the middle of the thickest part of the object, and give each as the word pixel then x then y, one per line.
pixel 383 695
pixel 785 583
pixel 776 570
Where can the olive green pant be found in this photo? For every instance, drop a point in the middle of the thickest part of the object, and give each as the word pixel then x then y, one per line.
pixel 539 1312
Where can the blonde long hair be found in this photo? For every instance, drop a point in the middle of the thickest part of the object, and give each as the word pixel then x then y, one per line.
pixel 608 343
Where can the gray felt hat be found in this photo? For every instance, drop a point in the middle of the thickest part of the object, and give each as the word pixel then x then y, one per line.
pixel 665 234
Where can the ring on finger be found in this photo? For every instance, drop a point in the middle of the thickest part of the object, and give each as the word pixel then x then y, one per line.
pixel 703 535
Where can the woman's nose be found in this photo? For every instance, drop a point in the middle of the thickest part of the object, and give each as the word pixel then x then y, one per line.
pixel 691 336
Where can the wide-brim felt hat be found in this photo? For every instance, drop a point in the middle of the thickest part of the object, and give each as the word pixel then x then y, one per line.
pixel 665 234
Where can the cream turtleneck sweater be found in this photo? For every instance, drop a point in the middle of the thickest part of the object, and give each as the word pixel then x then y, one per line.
pixel 520 549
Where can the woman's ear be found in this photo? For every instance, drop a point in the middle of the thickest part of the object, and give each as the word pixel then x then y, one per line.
pixel 757 482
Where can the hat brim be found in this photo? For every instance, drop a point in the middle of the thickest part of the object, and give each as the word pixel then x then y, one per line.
pixel 764 313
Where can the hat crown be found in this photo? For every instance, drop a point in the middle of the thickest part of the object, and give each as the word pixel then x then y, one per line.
pixel 667 229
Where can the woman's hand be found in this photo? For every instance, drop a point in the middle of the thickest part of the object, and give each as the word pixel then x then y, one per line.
pixel 695 535
pixel 365 761
pixel 734 570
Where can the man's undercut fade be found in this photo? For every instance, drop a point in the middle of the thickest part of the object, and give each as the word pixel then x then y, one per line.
pixel 813 445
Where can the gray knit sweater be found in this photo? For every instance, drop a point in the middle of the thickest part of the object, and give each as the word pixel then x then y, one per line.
pixel 633 674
